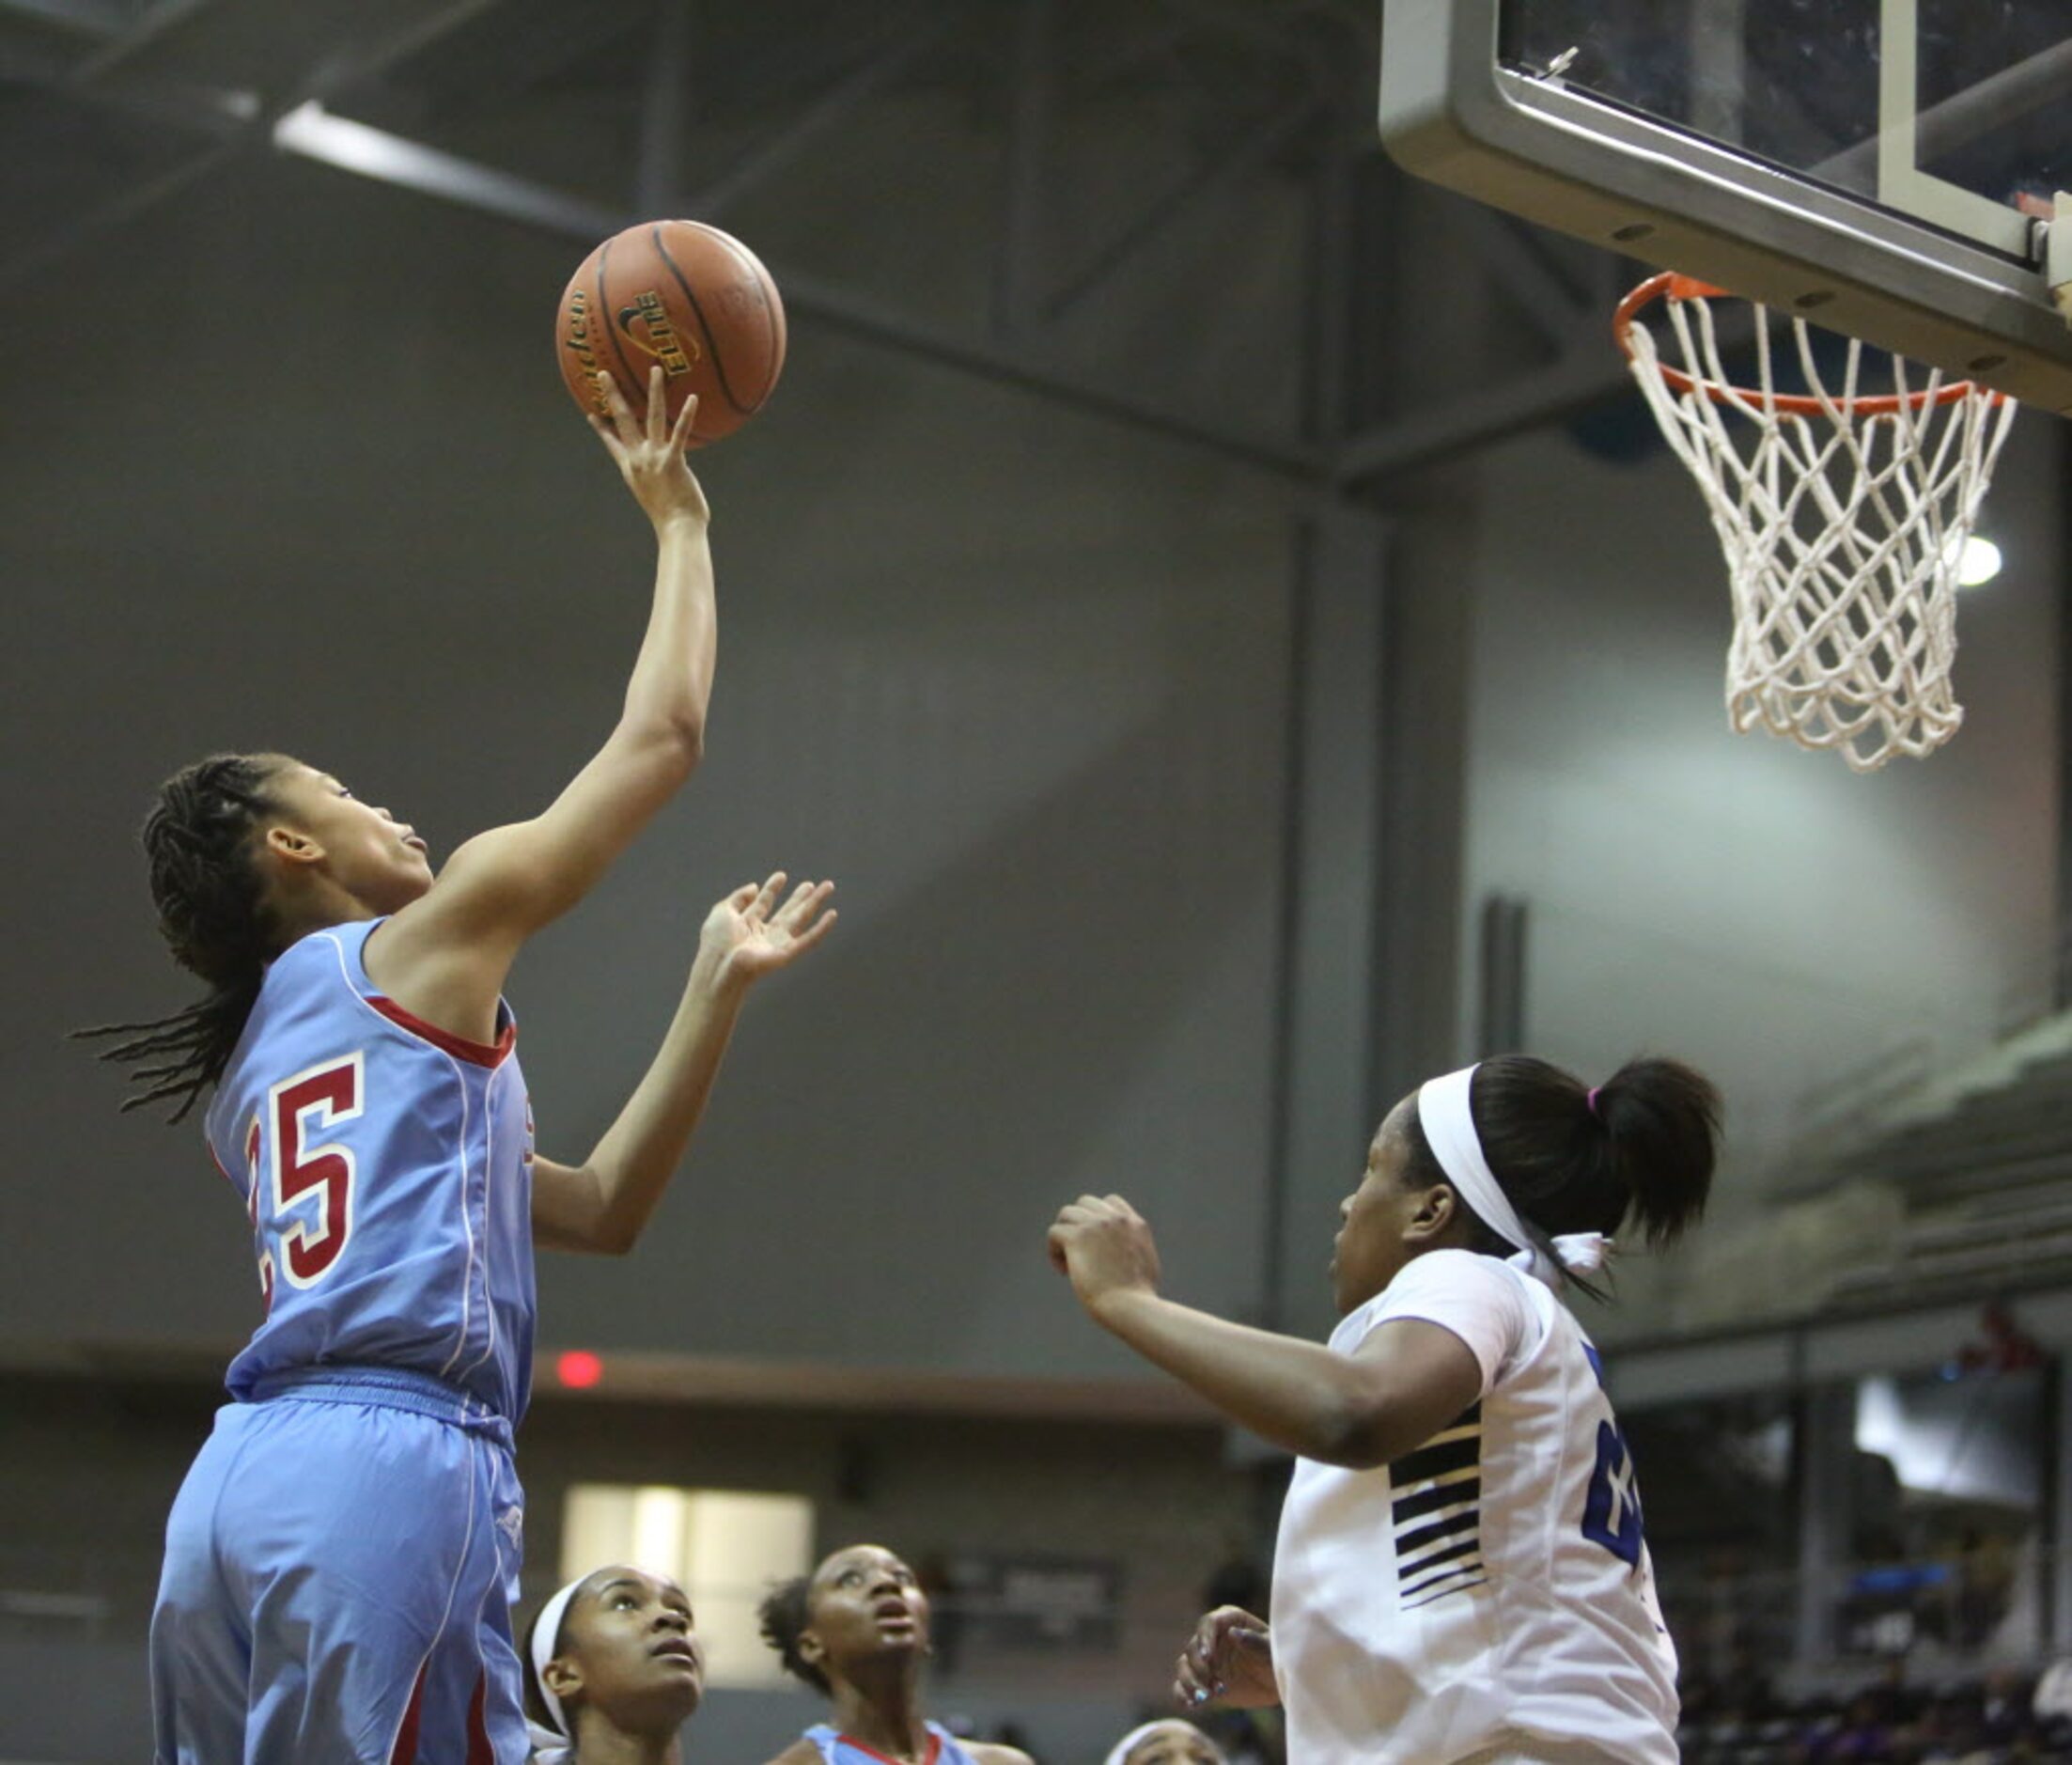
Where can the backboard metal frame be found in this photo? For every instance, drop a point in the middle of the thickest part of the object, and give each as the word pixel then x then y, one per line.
pixel 1557 155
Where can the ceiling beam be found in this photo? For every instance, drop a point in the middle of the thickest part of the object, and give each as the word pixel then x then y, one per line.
pixel 1463 424
pixel 315 134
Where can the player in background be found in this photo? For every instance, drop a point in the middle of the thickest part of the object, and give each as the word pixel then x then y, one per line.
pixel 340 1558
pixel 1460 1572
pixel 1166 1742
pixel 856 1629
pixel 613 1670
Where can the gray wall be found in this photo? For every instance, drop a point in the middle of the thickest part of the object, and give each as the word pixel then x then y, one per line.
pixel 88 1474
pixel 1013 676
pixel 1764 911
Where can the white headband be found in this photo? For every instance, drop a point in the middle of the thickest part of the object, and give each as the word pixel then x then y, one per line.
pixel 1119 1752
pixel 1449 1124
pixel 551 1745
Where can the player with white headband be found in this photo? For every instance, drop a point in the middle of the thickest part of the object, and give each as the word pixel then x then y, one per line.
pixel 1166 1742
pixel 613 1671
pixel 1461 1574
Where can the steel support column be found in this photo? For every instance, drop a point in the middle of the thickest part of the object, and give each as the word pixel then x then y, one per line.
pixel 1024 233
pixel 666 106
pixel 1332 881
pixel 840 103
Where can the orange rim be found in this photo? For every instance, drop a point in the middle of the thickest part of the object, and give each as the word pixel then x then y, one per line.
pixel 1669 286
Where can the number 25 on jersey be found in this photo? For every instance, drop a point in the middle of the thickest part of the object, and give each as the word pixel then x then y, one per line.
pixel 309 1181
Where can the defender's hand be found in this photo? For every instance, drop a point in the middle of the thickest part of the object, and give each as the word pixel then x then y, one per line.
pixel 650 457
pixel 1229 1661
pixel 1104 1246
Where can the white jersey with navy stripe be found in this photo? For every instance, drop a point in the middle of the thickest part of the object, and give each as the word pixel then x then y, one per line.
pixel 385 1169
pixel 1491 1589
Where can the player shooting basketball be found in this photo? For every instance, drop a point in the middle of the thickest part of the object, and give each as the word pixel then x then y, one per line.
pixel 1461 1571
pixel 338 1559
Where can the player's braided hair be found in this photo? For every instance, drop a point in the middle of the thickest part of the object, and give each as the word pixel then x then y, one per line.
pixel 214 915
pixel 784 1612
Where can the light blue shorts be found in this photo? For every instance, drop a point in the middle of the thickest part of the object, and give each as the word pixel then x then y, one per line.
pixel 339 1568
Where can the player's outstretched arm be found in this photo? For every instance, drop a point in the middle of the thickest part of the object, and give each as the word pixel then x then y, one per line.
pixel 605 1203
pixel 1228 1660
pixel 445 955
pixel 1408 1380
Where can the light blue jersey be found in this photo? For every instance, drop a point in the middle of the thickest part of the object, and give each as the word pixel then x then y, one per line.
pixel 387 1170
pixel 840 1749
pixel 341 1558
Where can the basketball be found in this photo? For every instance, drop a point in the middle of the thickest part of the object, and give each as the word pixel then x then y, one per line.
pixel 683 295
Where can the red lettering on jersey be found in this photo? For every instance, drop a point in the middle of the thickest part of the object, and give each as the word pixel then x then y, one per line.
pixel 310 1103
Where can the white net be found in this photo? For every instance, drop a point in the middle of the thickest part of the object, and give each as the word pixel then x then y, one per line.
pixel 1843 516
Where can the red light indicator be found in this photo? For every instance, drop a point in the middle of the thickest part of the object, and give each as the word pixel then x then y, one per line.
pixel 579 1370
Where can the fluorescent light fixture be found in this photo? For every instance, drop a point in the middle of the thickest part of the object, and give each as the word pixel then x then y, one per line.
pixel 1977 562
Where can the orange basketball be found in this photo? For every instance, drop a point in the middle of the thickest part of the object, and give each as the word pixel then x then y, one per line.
pixel 685 296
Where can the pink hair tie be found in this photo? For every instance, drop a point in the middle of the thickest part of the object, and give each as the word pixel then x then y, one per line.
pixel 1591 1101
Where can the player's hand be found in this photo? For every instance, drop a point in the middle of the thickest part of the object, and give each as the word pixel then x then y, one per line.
pixel 1229 1661
pixel 1103 1245
pixel 649 455
pixel 749 934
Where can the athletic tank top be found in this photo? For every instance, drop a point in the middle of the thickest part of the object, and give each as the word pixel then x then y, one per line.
pixel 386 1168
pixel 840 1749
pixel 1491 1589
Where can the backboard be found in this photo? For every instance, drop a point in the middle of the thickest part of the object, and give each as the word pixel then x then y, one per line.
pixel 1876 165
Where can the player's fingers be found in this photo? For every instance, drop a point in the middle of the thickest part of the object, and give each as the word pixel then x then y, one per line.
pixel 804 902
pixel 622 415
pixel 739 899
pixel 1056 1240
pixel 680 437
pixel 1191 1686
pixel 766 897
pixel 806 939
pixel 658 405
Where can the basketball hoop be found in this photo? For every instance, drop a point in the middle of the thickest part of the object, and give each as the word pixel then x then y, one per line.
pixel 1842 515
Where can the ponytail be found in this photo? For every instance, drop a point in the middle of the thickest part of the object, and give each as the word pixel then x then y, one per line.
pixel 1569 1158
pixel 1642 1145
pixel 214 918
pixel 1661 1123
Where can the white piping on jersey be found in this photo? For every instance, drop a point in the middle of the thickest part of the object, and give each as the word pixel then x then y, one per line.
pixel 489 1238
pixel 469 1448
pixel 459 1079
pixel 467 1222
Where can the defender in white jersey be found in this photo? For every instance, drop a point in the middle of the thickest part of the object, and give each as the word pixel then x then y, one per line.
pixel 1461 1572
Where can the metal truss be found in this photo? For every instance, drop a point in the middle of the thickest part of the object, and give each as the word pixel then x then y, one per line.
pixel 1294 96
